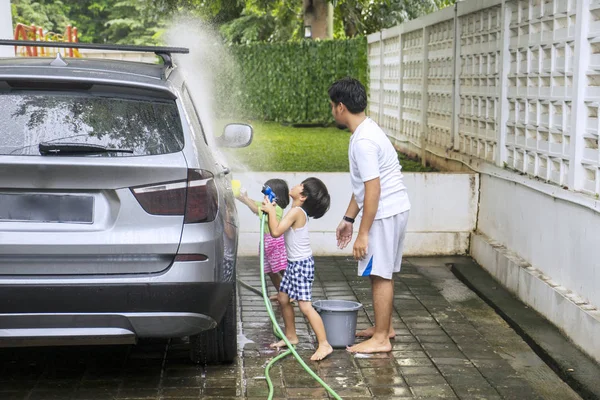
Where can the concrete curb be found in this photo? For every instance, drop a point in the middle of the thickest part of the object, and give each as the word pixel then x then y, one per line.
pixel 573 366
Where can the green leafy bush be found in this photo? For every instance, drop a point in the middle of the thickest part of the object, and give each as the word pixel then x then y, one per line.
pixel 288 82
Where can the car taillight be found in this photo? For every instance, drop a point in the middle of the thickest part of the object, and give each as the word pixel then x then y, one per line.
pixel 202 198
pixel 196 198
pixel 162 199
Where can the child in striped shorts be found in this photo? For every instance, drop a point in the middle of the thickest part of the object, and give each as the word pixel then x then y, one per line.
pixel 309 199
pixel 275 253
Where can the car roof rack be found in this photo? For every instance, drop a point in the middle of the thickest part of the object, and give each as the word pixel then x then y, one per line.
pixel 162 52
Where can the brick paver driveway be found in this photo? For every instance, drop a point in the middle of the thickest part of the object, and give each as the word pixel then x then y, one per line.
pixel 449 345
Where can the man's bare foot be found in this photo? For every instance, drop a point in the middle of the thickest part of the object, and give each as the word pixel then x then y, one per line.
pixel 322 352
pixel 370 331
pixel 282 343
pixel 371 346
pixel 273 297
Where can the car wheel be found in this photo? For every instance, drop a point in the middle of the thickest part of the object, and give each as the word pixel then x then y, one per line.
pixel 218 345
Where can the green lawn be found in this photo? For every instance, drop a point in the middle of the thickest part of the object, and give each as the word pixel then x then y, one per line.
pixel 285 148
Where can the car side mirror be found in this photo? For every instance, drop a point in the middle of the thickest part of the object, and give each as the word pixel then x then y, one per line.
pixel 236 135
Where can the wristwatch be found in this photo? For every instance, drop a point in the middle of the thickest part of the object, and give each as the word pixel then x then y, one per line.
pixel 346 218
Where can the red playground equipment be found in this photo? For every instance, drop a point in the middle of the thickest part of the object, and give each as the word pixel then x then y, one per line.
pixel 36 33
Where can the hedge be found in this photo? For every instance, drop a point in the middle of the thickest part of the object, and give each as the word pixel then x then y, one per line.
pixel 288 82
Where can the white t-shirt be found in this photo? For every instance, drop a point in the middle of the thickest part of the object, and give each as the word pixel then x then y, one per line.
pixel 371 156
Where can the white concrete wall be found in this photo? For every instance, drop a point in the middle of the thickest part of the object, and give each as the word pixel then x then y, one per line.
pixel 559 237
pixel 475 86
pixel 478 79
pixel 546 251
pixel 6 28
pixel 444 211
pixel 119 55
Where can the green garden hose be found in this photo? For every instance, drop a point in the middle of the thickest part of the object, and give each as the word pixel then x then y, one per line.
pixel 276 327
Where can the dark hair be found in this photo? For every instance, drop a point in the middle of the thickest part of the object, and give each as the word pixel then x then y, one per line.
pixel 317 197
pixel 351 93
pixel 282 191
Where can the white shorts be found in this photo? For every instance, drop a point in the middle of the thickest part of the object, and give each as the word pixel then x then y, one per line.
pixel 386 243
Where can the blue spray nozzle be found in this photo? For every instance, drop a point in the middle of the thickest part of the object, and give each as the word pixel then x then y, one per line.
pixel 267 191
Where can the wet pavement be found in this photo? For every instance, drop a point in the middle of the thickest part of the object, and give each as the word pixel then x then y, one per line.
pixel 450 345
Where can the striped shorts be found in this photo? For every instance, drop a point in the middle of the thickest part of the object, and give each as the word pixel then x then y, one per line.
pixel 275 254
pixel 298 279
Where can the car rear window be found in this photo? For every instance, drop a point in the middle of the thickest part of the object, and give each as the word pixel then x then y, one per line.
pixel 146 126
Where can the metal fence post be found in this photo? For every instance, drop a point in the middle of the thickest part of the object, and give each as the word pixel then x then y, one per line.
pixel 578 116
pixel 381 68
pixel 424 96
pixel 400 87
pixel 503 71
pixel 456 82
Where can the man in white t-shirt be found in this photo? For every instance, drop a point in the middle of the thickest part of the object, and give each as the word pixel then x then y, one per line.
pixel 379 192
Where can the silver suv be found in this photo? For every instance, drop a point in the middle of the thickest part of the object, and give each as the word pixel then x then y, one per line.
pixel 117 221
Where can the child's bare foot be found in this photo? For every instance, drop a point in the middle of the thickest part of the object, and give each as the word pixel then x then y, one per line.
pixel 371 346
pixel 369 332
pixel 282 343
pixel 322 352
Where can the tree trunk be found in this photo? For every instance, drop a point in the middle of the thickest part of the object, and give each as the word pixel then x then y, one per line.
pixel 349 20
pixel 315 16
pixel 350 28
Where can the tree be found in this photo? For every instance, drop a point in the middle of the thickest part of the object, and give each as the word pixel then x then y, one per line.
pixel 239 21
pixel 265 21
pixel 283 20
pixel 51 15
pixel 90 18
pixel 363 17
pixel 316 13
pixel 135 22
pixel 99 21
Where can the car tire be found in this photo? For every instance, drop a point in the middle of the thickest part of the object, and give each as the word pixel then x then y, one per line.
pixel 218 345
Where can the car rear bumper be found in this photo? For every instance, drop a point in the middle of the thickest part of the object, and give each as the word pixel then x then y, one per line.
pixel 33 314
pixel 185 299
pixel 47 329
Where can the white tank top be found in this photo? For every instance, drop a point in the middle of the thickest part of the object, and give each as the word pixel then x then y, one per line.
pixel 297 242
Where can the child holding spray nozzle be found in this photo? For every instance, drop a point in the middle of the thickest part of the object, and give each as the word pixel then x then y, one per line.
pixel 309 199
pixel 275 253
